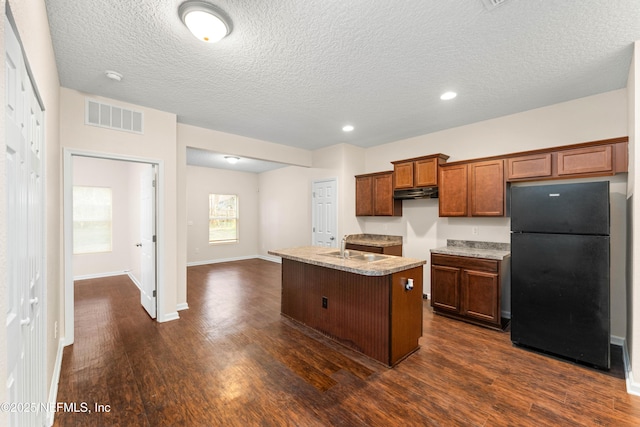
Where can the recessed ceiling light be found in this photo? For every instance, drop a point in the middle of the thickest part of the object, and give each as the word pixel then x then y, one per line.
pixel 232 159
pixel 206 22
pixel 113 75
pixel 448 95
pixel 347 128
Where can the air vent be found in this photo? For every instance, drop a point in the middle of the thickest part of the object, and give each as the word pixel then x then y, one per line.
pixel 112 117
pixel 492 4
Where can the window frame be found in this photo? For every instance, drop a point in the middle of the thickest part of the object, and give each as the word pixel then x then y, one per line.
pixel 235 218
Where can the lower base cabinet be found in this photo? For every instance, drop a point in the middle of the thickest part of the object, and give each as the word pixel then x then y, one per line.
pixel 467 288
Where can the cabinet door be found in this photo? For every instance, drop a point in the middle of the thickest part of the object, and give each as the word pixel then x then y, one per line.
pixel 364 196
pixel 585 160
pixel 383 204
pixel 487 188
pixel 480 296
pixel 404 175
pixel 426 172
pixel 445 286
pixel 534 166
pixel 452 191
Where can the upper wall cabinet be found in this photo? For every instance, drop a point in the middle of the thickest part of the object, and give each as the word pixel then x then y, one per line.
pixel 374 195
pixel 599 158
pixel 417 172
pixel 472 189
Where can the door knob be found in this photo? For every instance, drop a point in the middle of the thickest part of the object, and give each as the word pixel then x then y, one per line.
pixel 332 238
pixel 25 322
pixel 34 301
pixel 139 244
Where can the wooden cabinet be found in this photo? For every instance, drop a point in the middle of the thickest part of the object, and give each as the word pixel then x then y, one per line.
pixel 599 158
pixel 387 250
pixel 467 288
pixel 418 172
pixel 374 195
pixel 374 315
pixel 472 189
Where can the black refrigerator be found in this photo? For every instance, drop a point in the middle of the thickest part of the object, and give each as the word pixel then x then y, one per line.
pixel 560 270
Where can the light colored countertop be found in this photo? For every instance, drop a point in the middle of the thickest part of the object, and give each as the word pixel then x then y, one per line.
pixel 378 240
pixel 317 255
pixel 469 248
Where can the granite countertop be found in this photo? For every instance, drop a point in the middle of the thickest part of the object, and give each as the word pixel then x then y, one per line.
pixel 317 255
pixel 469 248
pixel 378 240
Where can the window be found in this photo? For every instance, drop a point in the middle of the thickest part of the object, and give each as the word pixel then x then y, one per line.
pixel 223 218
pixel 91 220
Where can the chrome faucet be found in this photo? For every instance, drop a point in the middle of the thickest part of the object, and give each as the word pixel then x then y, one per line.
pixel 343 246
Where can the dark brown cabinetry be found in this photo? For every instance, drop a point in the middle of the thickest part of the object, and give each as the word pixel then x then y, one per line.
pixel 599 158
pixel 472 189
pixel 374 195
pixel 418 172
pixel 386 250
pixel 467 288
pixel 374 315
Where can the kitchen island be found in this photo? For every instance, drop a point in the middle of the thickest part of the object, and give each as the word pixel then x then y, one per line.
pixel 371 303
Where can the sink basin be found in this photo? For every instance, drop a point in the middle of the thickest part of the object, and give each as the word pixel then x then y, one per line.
pixel 356 255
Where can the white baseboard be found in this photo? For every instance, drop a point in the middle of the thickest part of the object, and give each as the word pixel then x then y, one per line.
pixel 55 379
pixel 135 280
pixel 633 387
pixel 217 261
pixel 505 314
pixel 99 275
pixel 271 258
pixel 182 306
pixel 617 340
pixel 168 317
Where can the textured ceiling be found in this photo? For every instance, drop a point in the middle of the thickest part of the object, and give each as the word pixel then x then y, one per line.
pixel 295 71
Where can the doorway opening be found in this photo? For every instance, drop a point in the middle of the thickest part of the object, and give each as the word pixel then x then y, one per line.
pixel 139 242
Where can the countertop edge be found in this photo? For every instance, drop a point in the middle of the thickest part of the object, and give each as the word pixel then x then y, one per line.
pixel 472 252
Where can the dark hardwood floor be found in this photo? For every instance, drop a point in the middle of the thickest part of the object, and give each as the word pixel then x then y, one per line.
pixel 233 360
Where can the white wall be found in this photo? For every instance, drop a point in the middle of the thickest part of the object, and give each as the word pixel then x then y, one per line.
pixel 203 181
pixel 124 180
pixel 158 143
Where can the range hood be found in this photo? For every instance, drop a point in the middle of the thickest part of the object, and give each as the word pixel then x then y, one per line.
pixel 416 193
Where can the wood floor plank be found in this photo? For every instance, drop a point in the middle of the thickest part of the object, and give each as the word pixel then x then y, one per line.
pixel 233 360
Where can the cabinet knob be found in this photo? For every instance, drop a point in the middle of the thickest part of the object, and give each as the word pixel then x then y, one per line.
pixel 409 285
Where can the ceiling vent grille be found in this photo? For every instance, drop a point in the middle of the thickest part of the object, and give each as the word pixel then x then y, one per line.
pixel 492 4
pixel 112 117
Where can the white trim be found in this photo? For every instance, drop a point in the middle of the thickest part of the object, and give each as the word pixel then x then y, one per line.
pixel 68 153
pixel 182 306
pixel 632 386
pixel 167 317
pixel 217 261
pixel 134 279
pixel 271 258
pixel 617 340
pixel 55 379
pixel 99 275
pixel 505 314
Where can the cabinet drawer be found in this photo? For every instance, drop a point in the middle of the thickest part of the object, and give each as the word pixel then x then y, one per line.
pixel 479 264
pixel 585 160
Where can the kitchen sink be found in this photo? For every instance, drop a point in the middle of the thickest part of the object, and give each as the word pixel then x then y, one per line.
pixel 356 255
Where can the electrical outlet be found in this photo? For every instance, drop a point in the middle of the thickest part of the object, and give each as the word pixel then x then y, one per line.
pixel 55 329
pixel 325 302
pixel 475 231
pixel 197 250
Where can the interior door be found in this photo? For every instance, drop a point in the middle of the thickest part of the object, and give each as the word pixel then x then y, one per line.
pixel 325 213
pixel 26 379
pixel 148 239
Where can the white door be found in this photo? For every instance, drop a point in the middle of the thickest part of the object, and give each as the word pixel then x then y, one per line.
pixel 325 213
pixel 26 379
pixel 148 239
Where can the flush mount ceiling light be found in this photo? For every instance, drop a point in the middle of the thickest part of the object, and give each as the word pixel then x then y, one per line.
pixel 448 95
pixel 206 22
pixel 232 159
pixel 347 128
